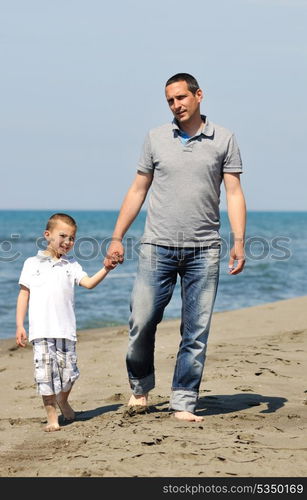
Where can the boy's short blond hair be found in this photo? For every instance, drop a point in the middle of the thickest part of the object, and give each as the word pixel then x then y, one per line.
pixel 62 217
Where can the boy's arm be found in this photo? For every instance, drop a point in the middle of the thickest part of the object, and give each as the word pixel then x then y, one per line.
pixel 237 217
pixel 92 281
pixel 21 311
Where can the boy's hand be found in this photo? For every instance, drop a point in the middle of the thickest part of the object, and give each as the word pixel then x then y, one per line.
pixel 21 336
pixel 113 259
pixel 115 255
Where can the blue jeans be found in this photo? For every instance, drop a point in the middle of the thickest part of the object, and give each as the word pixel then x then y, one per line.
pixel 158 267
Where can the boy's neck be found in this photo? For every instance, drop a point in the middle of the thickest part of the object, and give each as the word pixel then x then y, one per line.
pixel 52 254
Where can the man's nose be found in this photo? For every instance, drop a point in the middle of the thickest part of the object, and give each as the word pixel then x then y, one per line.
pixel 176 105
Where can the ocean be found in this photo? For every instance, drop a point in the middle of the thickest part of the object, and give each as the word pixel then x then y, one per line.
pixel 276 256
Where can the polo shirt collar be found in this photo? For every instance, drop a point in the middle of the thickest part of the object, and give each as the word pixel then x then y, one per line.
pixel 207 128
pixel 42 256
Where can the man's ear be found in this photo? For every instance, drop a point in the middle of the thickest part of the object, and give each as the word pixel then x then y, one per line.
pixel 199 94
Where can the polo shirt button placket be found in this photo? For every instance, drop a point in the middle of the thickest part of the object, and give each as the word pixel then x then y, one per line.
pixel 188 147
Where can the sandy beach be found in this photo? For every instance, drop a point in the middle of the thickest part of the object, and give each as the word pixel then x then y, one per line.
pixel 253 398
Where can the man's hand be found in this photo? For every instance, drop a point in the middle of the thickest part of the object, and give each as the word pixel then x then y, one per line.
pixel 115 254
pixel 21 336
pixel 236 255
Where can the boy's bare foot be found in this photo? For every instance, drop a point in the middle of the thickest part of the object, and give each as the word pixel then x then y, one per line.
pixel 52 428
pixel 52 416
pixel 138 400
pixel 188 416
pixel 67 411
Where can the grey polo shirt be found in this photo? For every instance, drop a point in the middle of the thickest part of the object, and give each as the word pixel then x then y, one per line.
pixel 183 208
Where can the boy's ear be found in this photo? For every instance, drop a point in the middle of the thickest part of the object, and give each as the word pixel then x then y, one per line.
pixel 46 234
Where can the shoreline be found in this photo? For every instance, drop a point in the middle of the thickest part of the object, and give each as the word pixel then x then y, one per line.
pixel 87 331
pixel 253 398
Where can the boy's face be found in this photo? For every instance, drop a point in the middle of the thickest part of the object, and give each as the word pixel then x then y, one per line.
pixel 61 238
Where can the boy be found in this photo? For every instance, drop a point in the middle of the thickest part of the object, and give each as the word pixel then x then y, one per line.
pixel 47 287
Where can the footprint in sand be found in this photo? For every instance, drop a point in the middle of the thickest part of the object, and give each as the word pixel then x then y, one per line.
pixel 20 386
pixel 118 396
pixel 244 388
pixel 262 370
pixel 284 361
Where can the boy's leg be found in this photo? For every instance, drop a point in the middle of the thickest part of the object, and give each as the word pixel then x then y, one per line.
pixel 152 291
pixel 62 401
pixel 43 352
pixel 68 370
pixel 55 372
pixel 51 410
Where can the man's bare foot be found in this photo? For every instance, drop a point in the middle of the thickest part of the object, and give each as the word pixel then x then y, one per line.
pixel 137 404
pixel 67 411
pixel 138 400
pixel 52 428
pixel 188 416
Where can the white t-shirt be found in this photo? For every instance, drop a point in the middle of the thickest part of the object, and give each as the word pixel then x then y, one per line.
pixel 51 305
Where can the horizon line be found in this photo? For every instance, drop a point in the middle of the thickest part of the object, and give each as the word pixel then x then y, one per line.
pixel 142 210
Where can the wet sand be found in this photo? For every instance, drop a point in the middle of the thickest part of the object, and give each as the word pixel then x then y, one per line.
pixel 253 399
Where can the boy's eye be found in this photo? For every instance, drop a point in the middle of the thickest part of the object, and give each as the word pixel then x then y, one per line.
pixel 63 235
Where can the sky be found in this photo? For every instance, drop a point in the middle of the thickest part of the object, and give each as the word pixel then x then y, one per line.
pixel 82 82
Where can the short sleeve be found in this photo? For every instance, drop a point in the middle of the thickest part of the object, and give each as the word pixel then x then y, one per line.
pixel 26 273
pixel 232 162
pixel 145 162
pixel 78 272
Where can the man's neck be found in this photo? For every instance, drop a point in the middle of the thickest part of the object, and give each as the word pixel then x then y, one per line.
pixel 191 127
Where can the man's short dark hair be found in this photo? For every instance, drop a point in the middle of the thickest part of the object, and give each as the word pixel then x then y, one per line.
pixel 184 77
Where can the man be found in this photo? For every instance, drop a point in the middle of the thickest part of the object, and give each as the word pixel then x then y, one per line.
pixel 184 163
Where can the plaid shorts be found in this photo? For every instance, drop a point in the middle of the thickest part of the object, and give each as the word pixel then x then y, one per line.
pixel 55 365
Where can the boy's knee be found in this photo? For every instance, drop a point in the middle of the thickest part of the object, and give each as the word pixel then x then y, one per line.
pixel 49 400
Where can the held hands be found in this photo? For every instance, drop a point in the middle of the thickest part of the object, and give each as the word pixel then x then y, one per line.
pixel 21 336
pixel 115 254
pixel 236 254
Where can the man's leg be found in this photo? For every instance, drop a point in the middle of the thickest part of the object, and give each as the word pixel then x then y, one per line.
pixel 199 280
pixel 152 291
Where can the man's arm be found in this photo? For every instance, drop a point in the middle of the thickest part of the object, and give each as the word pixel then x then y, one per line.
pixel 21 311
pixel 237 217
pixel 130 208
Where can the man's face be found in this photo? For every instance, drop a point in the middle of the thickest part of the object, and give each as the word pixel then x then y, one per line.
pixel 183 104
pixel 60 238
